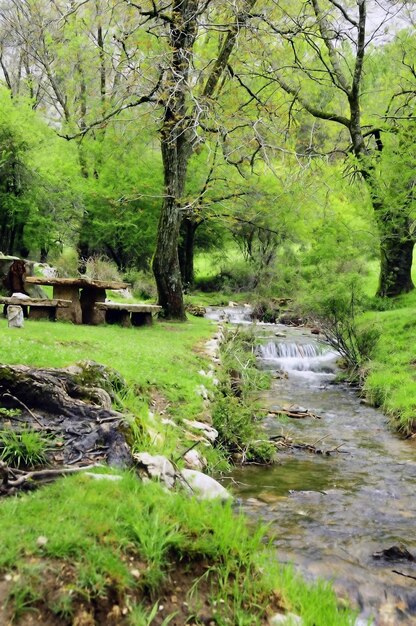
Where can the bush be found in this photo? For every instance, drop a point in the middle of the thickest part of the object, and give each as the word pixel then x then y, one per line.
pixel 101 268
pixel 266 311
pixel 336 313
pixel 26 448
pixel 66 264
pixel 143 284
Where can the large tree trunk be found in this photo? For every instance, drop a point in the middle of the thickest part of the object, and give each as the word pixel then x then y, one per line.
pixel 396 249
pixel 176 146
pixel 186 251
pixel 166 263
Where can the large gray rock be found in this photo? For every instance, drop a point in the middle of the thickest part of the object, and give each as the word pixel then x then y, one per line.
pixel 204 487
pixel 34 291
pixel 15 316
pixel 157 467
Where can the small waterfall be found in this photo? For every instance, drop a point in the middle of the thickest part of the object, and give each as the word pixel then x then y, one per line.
pixel 280 350
pixel 299 357
pixel 234 314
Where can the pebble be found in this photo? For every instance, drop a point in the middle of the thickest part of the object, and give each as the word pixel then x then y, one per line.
pixel 41 541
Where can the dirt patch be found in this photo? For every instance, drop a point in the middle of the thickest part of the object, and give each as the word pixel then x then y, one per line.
pixel 186 595
pixel 158 402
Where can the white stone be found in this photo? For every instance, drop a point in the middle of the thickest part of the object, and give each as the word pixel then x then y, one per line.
pixel 21 296
pixel 41 541
pixel 204 487
pixel 285 619
pixel 113 477
pixel 194 460
pixel 157 467
pixel 203 392
pixel 15 316
pixel 208 431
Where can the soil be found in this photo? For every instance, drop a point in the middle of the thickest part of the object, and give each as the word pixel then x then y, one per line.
pixel 177 597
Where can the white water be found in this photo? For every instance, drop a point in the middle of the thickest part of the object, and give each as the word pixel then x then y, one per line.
pixel 233 314
pixel 299 357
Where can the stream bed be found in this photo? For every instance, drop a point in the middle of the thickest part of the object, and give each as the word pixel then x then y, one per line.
pixel 330 514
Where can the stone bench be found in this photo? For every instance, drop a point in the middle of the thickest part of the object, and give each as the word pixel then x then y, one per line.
pixel 124 314
pixel 39 309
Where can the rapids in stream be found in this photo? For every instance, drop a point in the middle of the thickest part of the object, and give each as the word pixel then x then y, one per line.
pixel 330 514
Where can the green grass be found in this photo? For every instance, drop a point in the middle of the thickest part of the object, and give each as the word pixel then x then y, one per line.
pixel 100 534
pixel 25 448
pixel 391 377
pixel 105 531
pixel 148 357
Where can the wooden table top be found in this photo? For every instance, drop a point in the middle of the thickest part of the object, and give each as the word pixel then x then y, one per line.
pixel 76 282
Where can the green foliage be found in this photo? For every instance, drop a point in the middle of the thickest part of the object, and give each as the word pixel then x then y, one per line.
pixel 336 313
pixel 24 592
pixel 38 204
pixel 234 409
pixel 9 412
pixel 97 531
pixel 143 284
pixel 26 448
pixel 390 375
pixel 65 262
pixel 99 267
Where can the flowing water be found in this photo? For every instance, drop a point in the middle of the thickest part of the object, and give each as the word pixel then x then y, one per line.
pixel 330 514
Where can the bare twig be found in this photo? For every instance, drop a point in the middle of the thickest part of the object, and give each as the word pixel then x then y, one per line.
pixel 9 395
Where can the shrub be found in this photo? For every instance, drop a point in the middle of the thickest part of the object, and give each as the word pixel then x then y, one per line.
pixel 336 314
pixel 101 268
pixel 26 448
pixel 66 264
pixel 143 284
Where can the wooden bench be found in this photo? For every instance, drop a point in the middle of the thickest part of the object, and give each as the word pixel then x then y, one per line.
pixel 124 314
pixel 40 309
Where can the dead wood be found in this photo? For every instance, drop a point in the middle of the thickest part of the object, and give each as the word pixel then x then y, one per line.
pixel 12 479
pixel 77 413
pixel 395 571
pixel 290 412
pixel 284 442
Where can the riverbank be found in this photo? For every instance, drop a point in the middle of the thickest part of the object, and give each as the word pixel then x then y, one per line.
pixel 390 375
pixel 83 552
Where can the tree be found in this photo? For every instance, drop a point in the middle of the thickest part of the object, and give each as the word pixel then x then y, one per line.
pixel 188 45
pixel 37 206
pixel 319 62
pixel 186 96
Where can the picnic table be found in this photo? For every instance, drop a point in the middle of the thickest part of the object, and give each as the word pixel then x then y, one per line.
pixel 83 294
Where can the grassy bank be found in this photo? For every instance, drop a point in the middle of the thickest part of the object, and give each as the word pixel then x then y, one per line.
pixel 82 552
pixel 391 374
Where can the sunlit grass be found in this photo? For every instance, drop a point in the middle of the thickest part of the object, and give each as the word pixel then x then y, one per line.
pixel 104 529
pixel 162 356
pixel 391 380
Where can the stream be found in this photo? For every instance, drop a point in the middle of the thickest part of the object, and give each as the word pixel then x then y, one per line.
pixel 330 514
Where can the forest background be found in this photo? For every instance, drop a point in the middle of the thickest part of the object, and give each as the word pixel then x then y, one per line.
pixel 272 142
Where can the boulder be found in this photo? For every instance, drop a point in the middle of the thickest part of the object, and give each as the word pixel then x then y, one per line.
pixel 15 316
pixel 204 487
pixel 157 466
pixel 194 460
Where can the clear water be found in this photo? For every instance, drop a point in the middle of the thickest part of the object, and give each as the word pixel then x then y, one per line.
pixel 329 514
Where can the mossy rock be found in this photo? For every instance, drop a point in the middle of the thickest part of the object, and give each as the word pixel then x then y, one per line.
pixel 94 374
